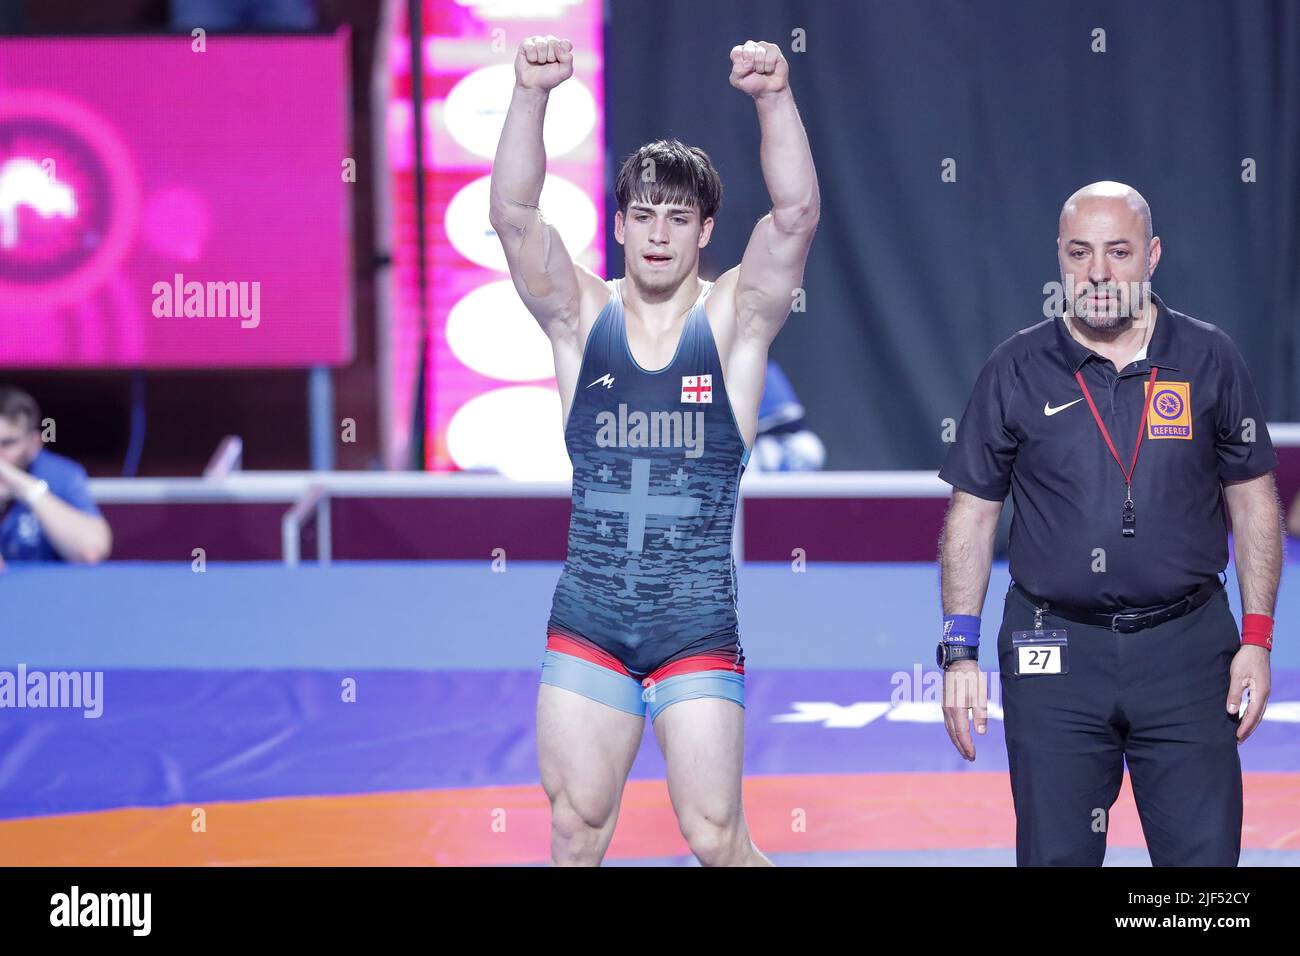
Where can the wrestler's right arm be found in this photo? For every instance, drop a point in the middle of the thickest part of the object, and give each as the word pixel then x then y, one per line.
pixel 563 296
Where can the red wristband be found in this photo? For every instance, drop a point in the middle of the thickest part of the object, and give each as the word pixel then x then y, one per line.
pixel 1257 629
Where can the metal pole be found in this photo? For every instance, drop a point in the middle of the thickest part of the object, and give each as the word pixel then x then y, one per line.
pixel 320 398
pixel 324 532
pixel 415 28
pixel 291 525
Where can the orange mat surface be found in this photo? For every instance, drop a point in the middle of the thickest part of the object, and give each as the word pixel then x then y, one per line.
pixel 509 825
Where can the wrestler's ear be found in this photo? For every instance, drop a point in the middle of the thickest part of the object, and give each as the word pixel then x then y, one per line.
pixel 706 230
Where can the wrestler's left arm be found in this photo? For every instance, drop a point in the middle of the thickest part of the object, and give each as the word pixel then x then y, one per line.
pixel 771 271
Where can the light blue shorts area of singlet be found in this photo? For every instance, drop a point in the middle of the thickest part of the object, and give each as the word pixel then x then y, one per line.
pixel 626 694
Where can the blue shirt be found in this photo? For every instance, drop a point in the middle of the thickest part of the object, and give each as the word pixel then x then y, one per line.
pixel 657 460
pixel 779 404
pixel 21 536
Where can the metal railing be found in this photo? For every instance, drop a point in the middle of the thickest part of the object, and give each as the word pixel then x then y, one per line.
pixel 315 500
pixel 308 493
pixel 227 459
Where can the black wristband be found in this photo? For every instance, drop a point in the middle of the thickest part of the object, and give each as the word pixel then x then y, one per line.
pixel 947 654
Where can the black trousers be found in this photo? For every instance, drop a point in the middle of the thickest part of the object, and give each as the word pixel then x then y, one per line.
pixel 1155 698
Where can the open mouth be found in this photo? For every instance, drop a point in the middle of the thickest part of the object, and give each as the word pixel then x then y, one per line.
pixel 657 260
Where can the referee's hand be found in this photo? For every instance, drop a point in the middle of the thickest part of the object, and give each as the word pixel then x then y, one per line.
pixel 964 691
pixel 1250 669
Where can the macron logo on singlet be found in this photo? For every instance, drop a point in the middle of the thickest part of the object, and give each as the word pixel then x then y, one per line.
pixel 652 430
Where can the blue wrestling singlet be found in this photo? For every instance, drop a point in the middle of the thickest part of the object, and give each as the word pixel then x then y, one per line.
pixel 657 460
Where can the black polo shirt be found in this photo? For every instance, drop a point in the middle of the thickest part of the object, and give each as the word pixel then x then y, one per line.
pixel 1027 428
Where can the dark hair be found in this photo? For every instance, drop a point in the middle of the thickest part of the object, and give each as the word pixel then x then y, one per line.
pixel 16 404
pixel 669 171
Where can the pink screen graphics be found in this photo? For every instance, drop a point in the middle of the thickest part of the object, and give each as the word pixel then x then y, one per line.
pixel 171 201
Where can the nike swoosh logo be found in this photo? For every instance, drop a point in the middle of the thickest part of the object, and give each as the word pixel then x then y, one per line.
pixel 1049 411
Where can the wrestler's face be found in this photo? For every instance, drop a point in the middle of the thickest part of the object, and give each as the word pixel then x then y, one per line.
pixel 661 244
pixel 1103 248
pixel 18 442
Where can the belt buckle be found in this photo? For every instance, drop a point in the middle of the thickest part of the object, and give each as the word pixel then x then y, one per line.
pixel 1115 622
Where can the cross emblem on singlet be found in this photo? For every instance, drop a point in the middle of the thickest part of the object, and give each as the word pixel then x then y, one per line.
pixel 697 389
pixel 637 502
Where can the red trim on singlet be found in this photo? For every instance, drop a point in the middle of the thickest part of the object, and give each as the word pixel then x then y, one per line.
pixel 588 652
pixel 711 661
pixel 696 663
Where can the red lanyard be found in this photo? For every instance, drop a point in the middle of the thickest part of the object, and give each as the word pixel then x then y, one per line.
pixel 1128 516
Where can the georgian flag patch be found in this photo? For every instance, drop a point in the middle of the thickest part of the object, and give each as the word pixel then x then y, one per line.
pixel 697 389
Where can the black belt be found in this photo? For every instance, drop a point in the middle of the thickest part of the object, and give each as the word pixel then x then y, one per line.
pixel 1131 621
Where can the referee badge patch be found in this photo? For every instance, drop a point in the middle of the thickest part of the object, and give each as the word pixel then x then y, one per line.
pixel 1170 415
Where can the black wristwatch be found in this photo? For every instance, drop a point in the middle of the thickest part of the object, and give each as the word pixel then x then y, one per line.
pixel 951 653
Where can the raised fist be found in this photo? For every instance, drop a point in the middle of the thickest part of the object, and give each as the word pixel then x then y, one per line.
pixel 758 68
pixel 543 63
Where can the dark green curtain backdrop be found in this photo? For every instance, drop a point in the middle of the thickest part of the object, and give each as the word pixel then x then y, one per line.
pixel 913 281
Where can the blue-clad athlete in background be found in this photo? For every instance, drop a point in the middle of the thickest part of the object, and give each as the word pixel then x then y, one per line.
pixel 660 375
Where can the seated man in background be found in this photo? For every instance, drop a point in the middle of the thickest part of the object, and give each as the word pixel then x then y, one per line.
pixel 46 512
pixel 785 443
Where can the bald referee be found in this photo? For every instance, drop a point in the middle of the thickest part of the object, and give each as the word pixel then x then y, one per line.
pixel 1126 433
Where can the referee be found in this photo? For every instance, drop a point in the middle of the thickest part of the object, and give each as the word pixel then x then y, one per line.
pixel 1124 431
